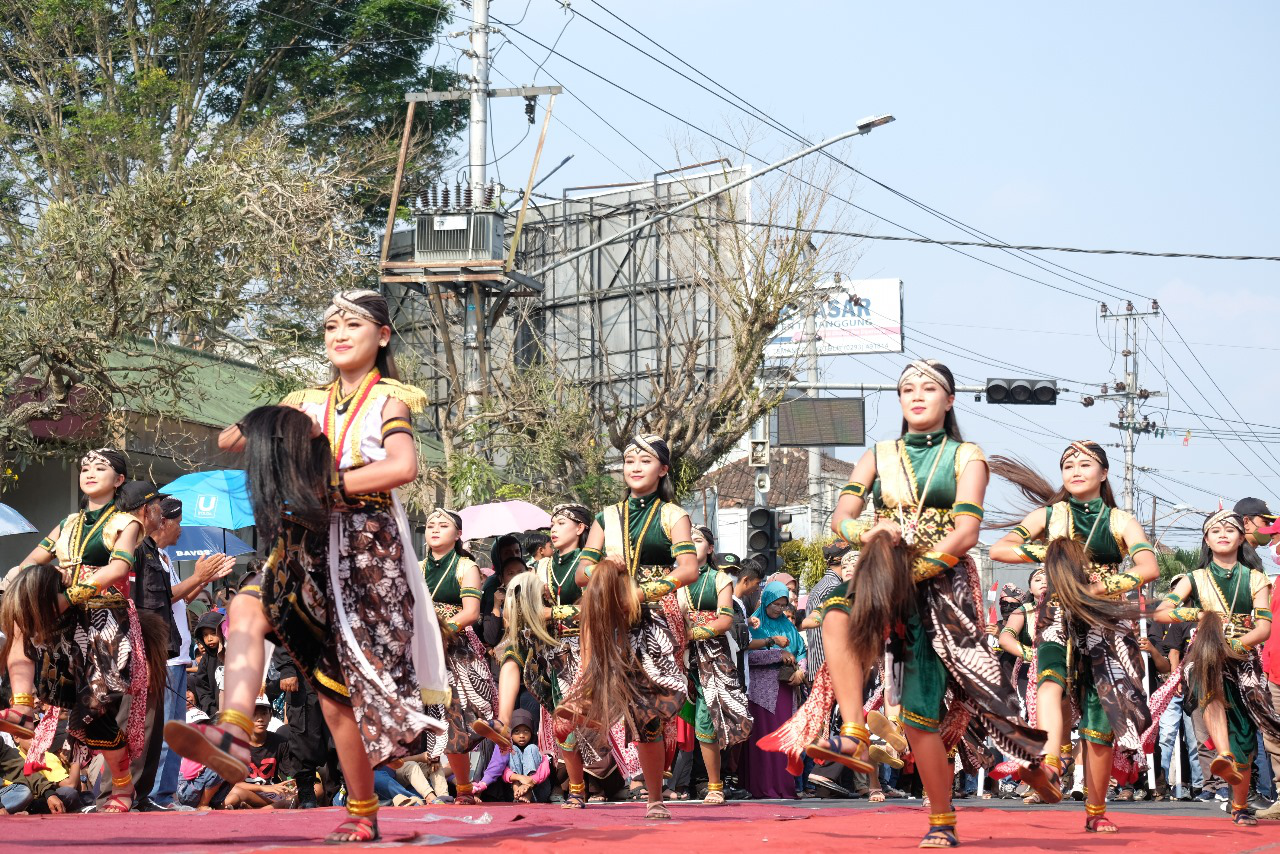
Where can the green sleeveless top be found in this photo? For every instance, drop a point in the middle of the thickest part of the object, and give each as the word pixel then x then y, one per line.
pixel 441 577
pixel 1095 516
pixel 704 594
pixel 560 578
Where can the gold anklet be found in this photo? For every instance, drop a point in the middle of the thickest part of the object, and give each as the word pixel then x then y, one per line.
pixel 366 807
pixel 715 787
pixel 942 819
pixel 24 699
pixel 236 719
pixel 1095 810
pixel 126 780
pixel 858 731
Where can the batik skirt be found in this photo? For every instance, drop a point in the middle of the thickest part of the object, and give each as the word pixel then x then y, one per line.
pixel 472 694
pixel 720 711
pixel 371 620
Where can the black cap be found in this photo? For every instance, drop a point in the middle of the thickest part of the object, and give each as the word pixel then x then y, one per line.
pixel 727 560
pixel 1253 507
pixel 137 493
pixel 170 507
pixel 835 551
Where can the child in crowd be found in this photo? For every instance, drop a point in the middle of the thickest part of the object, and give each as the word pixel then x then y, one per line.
pixel 527 769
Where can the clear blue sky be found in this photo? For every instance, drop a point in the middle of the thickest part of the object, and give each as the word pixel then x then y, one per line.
pixel 1138 126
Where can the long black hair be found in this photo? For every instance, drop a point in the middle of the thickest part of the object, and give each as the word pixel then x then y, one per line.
pixel 949 423
pixel 288 470
pixel 1245 555
pixel 1037 489
pixel 711 541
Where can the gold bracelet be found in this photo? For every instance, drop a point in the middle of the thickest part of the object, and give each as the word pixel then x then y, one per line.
pixel 851 530
pixel 1121 582
pixel 24 699
pixel 657 588
pixel 78 594
pixel 365 807
pixel 701 633
pixel 236 719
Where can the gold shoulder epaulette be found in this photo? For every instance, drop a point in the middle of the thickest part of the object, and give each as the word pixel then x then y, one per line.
pixel 306 395
pixel 410 395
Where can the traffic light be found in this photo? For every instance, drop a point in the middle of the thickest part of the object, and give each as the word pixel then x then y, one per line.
pixel 765 535
pixel 1030 392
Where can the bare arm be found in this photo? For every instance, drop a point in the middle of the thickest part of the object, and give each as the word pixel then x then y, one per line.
pixel 1009 634
pixel 1164 611
pixel 1262 628
pixel 399 467
pixel 1006 548
pixel 971 489
pixel 850 507
pixel 686 571
pixel 595 540
pixel 470 612
pixel 39 554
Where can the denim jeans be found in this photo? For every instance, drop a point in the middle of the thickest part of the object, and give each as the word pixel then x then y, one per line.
pixel 15 797
pixel 1262 778
pixel 386 786
pixel 1169 723
pixel 175 709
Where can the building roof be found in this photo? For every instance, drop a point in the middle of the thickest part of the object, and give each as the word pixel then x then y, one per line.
pixel 788 473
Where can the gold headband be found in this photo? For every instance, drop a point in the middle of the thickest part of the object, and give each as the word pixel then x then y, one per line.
pixel 1082 447
pixel 344 302
pixel 643 443
pixel 96 456
pixel 454 518
pixel 1230 517
pixel 925 369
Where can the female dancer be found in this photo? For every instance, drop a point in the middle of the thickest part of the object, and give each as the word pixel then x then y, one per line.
pixel 1018 636
pixel 928 487
pixel 1087 649
pixel 79 622
pixel 1229 596
pixel 632 594
pixel 721 718
pixel 341 589
pixel 453 580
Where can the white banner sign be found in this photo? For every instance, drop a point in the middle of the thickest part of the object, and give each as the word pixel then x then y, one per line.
pixel 862 316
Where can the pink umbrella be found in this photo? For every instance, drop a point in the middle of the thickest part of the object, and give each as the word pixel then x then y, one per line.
pixel 502 517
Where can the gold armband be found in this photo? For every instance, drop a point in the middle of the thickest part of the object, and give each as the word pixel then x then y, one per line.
pixel 1173 597
pixel 591 556
pixel 1028 653
pixel 1121 582
pixel 1033 552
pixel 1185 615
pixel 1022 531
pixel 683 548
pixel 851 530
pixel 652 591
pixel 857 490
pixel 930 564
pixel 78 594
pixel 564 613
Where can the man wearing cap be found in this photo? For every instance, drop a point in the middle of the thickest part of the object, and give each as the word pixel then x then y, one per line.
pixel 158 590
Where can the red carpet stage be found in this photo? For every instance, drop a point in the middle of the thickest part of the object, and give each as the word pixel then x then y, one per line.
pixel 816 826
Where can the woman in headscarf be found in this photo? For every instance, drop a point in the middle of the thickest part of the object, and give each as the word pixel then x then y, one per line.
pixel 917 585
pixel 78 620
pixel 777 661
pixel 341 589
pixel 720 715
pixel 1229 597
pixel 1086 645
pixel 453 580
pixel 628 557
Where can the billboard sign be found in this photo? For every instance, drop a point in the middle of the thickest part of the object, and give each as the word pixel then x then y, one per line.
pixel 863 316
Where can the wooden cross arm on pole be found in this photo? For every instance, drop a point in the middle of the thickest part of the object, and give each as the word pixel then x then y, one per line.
pixel 463 94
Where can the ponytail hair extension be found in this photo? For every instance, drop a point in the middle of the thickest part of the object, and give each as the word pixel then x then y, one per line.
pixel 1207 658
pixel 881 595
pixel 286 468
pixel 1034 487
pixel 522 611
pixel 155 644
pixel 1066 575
pixel 29 606
pixel 610 607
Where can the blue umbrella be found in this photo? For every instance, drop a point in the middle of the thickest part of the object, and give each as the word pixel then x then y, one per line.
pixel 217 499
pixel 11 522
pixel 195 542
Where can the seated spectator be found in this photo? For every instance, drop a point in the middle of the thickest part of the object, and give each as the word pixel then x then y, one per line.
pixel 38 792
pixel 527 769
pixel 389 789
pixel 262 787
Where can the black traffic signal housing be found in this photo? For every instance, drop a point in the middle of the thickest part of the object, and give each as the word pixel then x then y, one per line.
pixel 1023 392
pixel 765 535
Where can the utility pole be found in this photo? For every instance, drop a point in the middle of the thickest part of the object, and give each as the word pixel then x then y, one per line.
pixel 1129 393
pixel 479 126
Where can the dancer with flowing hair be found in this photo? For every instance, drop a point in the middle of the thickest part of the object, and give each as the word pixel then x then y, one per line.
pixel 628 558
pixel 453 580
pixel 720 715
pixel 541 647
pixel 1018 635
pixel 1087 657
pixel 96 652
pixel 1229 598
pixel 916 585
pixel 341 589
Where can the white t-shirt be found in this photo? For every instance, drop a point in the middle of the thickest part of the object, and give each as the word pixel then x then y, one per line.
pixel 179 616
